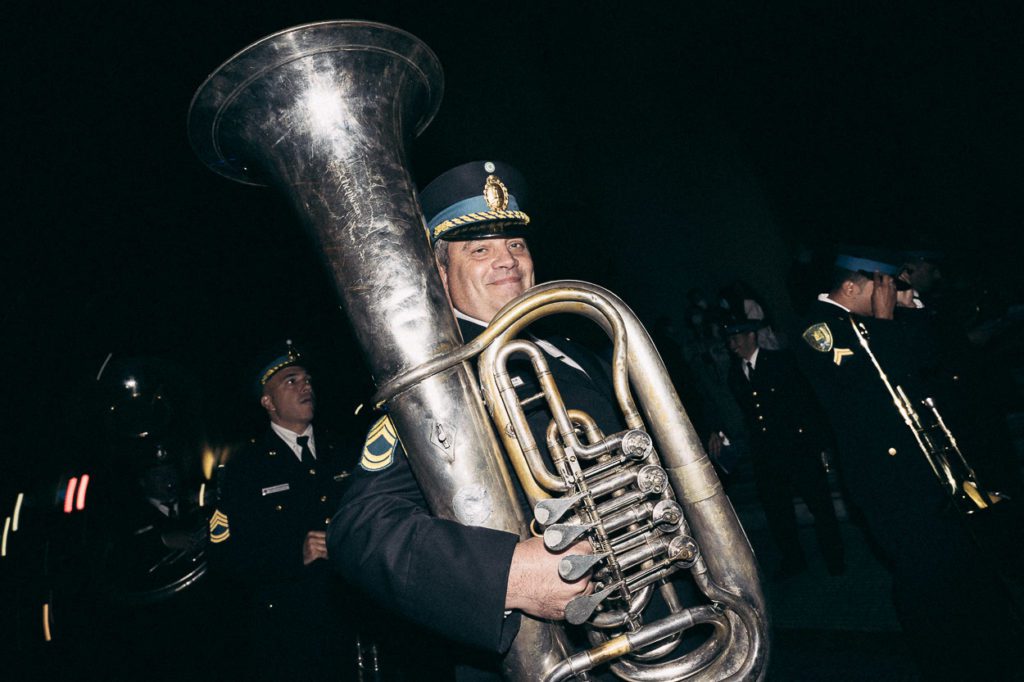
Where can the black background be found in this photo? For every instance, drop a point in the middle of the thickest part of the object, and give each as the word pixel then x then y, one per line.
pixel 667 145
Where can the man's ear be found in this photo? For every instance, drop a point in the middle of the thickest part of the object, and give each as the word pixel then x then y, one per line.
pixel 267 403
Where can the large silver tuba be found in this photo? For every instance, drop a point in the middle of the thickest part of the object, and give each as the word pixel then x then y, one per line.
pixel 325 112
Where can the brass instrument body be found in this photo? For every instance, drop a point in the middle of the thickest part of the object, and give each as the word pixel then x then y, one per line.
pixel 325 113
pixel 726 572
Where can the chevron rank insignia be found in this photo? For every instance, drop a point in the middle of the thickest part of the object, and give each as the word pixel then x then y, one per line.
pixel 819 337
pixel 219 530
pixel 379 450
pixel 839 353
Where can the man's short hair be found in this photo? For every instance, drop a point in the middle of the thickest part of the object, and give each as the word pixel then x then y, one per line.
pixel 441 252
pixel 840 275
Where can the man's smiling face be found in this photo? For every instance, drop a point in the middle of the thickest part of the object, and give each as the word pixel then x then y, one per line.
pixel 485 274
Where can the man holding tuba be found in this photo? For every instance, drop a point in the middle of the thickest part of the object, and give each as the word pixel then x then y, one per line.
pixel 470 584
pixel 863 358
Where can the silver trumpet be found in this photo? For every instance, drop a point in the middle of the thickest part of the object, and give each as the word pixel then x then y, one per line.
pixel 325 112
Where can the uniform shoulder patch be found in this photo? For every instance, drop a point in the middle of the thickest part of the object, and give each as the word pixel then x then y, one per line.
pixel 219 528
pixel 379 449
pixel 819 337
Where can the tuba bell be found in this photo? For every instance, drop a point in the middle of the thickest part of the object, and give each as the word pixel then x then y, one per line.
pixel 325 113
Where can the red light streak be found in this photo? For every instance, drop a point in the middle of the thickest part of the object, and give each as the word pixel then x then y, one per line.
pixel 69 496
pixel 80 501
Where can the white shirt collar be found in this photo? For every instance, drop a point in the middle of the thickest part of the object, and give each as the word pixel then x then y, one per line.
pixel 548 347
pixel 825 298
pixel 463 316
pixel 291 439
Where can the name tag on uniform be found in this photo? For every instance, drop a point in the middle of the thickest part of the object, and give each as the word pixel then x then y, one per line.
pixel 276 489
pixel 517 381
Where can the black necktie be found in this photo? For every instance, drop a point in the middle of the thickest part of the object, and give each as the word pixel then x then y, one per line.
pixel 307 454
pixel 750 371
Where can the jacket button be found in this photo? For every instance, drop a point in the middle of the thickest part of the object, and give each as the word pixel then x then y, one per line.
pixel 892 451
pixel 327 521
pixel 760 417
pixel 764 429
pixel 755 393
pixel 279 507
pixel 312 472
pixel 757 404
pixel 323 498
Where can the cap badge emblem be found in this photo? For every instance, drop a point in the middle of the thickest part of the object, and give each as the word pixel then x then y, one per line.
pixel 495 193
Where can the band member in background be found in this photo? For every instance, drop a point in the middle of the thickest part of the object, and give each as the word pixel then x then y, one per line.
pixel 788 434
pixel 957 616
pixel 470 584
pixel 268 534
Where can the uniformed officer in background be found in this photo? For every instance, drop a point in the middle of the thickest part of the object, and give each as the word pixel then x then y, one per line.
pixel 268 534
pixel 957 615
pixel 788 435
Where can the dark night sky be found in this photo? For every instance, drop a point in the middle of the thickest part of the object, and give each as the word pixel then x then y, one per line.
pixel 667 146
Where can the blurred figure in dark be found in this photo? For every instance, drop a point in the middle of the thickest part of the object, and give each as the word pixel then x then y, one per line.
pixel 971 381
pixel 700 316
pixel 268 534
pixel 788 436
pixel 953 600
pixel 922 270
pixel 154 529
pixel 741 303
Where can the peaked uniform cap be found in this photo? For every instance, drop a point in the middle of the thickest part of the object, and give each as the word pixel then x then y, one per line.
pixel 477 200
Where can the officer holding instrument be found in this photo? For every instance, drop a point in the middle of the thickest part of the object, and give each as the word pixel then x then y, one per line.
pixel 469 584
pixel 956 616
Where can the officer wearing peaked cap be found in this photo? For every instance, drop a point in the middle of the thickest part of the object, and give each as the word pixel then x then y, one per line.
pixel 468 583
pixel 957 621
pixel 788 433
pixel 268 533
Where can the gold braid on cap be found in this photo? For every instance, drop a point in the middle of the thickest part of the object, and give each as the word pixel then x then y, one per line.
pixel 496 195
pixel 289 358
pixel 480 217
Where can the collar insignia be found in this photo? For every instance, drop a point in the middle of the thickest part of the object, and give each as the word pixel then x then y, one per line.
pixel 379 449
pixel 819 337
pixel 495 193
pixel 839 353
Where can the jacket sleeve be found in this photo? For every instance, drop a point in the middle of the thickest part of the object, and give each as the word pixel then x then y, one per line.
pixel 438 573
